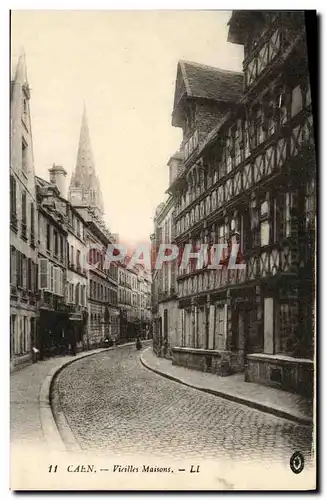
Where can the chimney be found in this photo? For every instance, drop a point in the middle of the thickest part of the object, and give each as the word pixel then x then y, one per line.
pixel 58 177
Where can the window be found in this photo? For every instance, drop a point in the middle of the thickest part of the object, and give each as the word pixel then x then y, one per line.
pixel 78 260
pixel 264 208
pixel 282 108
pixel 288 214
pixel 55 280
pixel 19 268
pixel 13 201
pixel 13 334
pixel 55 237
pixel 24 272
pixel 72 262
pixel 24 157
pixel 253 132
pixel 270 118
pixel 297 104
pixel 229 153
pixel 246 140
pixel 24 214
pixel 308 96
pixel 51 277
pixel 77 298
pixel 237 147
pixel 264 223
pixel 260 128
pixel 32 223
pixel 29 274
pixel 43 274
pixel 310 205
pixel 23 344
pixel 13 256
pixel 264 233
pixel 61 249
pixel 48 237
pixel 222 239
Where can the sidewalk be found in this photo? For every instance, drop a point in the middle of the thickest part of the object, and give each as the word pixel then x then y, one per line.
pixel 280 403
pixel 26 387
pixel 31 420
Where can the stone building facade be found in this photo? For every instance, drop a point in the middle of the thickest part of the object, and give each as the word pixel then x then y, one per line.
pixel 53 322
pixel 56 301
pixel 164 297
pixel 248 178
pixel 77 276
pixel 23 222
pixel 128 302
pixel 85 196
pixel 144 289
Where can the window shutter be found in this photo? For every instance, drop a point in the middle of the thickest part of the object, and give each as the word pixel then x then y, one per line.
pixel 35 277
pixel 55 280
pixel 13 273
pixel 51 277
pixel 29 274
pixel 24 271
pixel 77 294
pixel 44 274
pixel 59 281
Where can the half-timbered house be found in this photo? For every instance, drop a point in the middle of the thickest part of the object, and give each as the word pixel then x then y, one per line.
pixel 250 180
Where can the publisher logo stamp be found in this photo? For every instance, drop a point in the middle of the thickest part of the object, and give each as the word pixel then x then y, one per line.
pixel 297 462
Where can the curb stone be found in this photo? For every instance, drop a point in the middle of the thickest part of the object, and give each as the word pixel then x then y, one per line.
pixel 306 421
pixel 48 421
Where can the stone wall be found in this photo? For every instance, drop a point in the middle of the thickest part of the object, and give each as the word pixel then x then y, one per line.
pixel 282 372
pixel 222 363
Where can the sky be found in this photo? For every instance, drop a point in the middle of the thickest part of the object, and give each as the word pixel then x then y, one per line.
pixel 122 64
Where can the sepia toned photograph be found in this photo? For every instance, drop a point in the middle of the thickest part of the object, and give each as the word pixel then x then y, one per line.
pixel 163 175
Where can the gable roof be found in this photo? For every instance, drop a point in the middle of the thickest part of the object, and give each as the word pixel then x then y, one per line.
pixel 208 82
pixel 43 183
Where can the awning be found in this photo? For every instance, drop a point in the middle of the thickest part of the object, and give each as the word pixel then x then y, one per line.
pixel 75 317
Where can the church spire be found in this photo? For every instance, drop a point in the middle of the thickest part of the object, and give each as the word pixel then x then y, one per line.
pixel 84 186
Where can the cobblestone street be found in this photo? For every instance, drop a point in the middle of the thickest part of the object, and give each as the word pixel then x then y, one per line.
pixel 114 404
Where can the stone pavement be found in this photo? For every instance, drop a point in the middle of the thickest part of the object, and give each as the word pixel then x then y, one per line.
pixel 280 403
pixel 116 408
